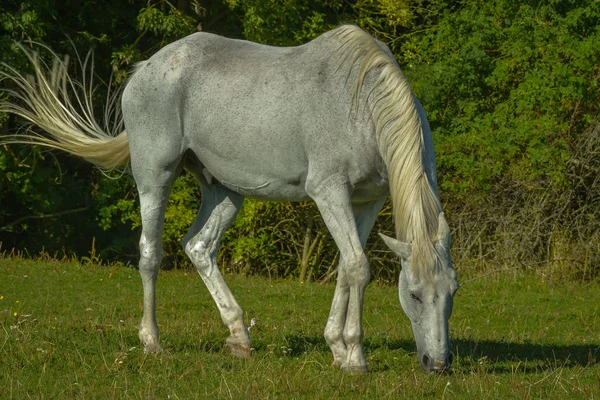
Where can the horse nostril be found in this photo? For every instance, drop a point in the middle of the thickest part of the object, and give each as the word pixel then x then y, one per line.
pixel 425 362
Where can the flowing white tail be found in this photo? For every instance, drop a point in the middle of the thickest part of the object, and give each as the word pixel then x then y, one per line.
pixel 62 108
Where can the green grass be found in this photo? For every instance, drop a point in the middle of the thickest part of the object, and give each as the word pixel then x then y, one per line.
pixel 70 331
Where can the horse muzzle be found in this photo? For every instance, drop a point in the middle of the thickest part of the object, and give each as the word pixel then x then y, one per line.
pixel 431 364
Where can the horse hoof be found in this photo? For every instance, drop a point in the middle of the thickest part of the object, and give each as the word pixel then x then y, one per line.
pixel 239 350
pixel 355 369
pixel 152 348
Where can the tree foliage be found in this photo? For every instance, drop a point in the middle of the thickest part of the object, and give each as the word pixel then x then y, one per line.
pixel 505 83
pixel 510 88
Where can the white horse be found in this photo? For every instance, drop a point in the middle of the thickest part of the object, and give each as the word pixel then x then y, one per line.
pixel 333 120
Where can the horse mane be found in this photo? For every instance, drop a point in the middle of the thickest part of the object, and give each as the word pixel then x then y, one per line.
pixel 399 133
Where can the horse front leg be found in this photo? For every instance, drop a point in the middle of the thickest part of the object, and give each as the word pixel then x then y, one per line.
pixel 343 331
pixel 365 216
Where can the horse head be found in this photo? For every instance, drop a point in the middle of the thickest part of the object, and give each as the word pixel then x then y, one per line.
pixel 427 298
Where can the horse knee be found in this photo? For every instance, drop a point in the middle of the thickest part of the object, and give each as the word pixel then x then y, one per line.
pixel 357 271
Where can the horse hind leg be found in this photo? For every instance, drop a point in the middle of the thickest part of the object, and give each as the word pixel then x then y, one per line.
pixel 218 209
pixel 154 188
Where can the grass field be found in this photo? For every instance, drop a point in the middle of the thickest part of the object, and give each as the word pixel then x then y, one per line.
pixel 70 331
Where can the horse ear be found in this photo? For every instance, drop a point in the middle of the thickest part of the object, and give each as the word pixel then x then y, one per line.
pixel 444 236
pixel 404 250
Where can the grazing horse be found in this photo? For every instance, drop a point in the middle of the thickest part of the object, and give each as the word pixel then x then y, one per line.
pixel 333 120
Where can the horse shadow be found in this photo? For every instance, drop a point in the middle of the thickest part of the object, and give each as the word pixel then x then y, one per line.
pixel 497 356
pixel 506 357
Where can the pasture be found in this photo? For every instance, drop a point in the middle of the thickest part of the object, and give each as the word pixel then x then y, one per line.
pixel 70 331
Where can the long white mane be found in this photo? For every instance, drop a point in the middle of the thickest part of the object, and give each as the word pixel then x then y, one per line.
pixel 399 133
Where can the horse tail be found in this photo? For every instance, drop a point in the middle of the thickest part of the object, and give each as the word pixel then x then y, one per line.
pixel 62 107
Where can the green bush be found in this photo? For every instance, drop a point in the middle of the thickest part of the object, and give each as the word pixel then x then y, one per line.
pixel 511 91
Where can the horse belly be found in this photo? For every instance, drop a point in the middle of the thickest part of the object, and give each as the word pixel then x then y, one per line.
pixel 269 175
pixel 269 190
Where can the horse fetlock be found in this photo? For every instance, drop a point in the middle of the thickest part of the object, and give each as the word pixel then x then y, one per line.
pixel 340 354
pixel 239 349
pixel 150 341
pixel 355 360
pixel 333 335
pixel 239 340
pixel 334 339
pixel 239 331
pixel 353 335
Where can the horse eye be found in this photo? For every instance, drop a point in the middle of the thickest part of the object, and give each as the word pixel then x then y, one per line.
pixel 414 297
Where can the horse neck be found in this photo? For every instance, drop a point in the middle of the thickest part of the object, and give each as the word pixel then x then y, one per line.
pixel 401 132
pixel 383 89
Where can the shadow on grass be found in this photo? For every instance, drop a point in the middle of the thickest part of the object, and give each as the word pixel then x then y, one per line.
pixel 211 343
pixel 300 344
pixel 532 356
pixel 501 357
pixel 470 354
